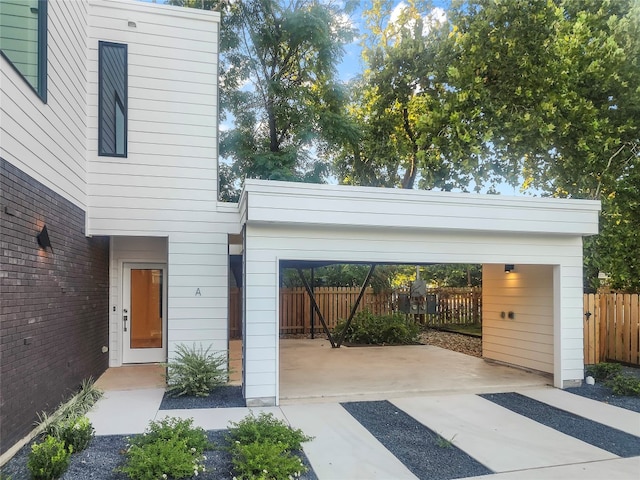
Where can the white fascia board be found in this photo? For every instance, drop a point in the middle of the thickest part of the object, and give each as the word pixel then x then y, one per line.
pixel 338 205
pixel 162 9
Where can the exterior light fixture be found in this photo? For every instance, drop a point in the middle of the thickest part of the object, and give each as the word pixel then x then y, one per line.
pixel 43 239
pixel 509 268
pixel 131 24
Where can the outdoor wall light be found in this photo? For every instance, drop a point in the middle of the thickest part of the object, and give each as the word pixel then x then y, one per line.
pixel 43 239
pixel 509 268
pixel 132 24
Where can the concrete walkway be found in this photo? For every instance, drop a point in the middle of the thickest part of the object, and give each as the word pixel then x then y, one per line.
pixel 511 445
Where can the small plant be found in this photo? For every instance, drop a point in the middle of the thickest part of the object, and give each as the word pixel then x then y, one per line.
pixel 162 459
pixel 49 459
pixel 367 328
pixel 266 428
pixel 169 428
pixel 76 433
pixel 604 370
pixel 624 385
pixel 195 372
pixel 265 461
pixel 169 448
pixel 261 448
pixel 443 442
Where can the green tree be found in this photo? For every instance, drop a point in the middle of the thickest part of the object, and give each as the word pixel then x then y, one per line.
pixel 554 87
pixel 287 55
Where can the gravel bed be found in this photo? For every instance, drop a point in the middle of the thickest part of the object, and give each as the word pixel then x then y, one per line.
pixel 103 456
pixel 602 436
pixel 222 397
pixel 604 394
pixel 421 450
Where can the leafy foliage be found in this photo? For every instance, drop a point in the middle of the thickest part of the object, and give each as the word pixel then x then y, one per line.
pixel 367 328
pixel 49 459
pixel 266 428
pixel 261 448
pixel 265 461
pixel 171 447
pixel 195 371
pixel 76 433
pixel 624 385
pixel 604 370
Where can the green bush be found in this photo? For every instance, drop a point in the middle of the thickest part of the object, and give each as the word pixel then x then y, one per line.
pixel 76 433
pixel 173 428
pixel 604 370
pixel 265 461
pixel 369 329
pixel 261 448
pixel 624 385
pixel 49 459
pixel 168 458
pixel 195 372
pixel 266 428
pixel 171 447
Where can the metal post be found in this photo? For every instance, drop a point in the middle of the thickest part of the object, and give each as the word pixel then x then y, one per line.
pixel 312 311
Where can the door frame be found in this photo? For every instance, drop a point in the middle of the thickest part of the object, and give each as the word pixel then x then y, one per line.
pixel 155 355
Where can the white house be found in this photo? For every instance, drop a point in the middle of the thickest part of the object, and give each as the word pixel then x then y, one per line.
pixel 108 122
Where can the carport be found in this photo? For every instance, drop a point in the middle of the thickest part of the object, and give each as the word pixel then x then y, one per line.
pixel 532 316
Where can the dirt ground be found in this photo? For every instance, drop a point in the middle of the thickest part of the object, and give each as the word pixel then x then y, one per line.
pixel 453 341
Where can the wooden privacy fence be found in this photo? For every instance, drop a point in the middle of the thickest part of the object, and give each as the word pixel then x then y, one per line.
pixel 611 328
pixel 459 306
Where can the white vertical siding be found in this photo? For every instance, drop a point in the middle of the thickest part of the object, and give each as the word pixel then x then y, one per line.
pixel 527 339
pixel 48 141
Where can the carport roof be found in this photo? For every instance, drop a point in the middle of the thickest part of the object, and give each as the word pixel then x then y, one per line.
pixel 290 203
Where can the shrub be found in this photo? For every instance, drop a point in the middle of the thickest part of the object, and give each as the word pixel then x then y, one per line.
pixel 195 372
pixel 49 459
pixel 170 428
pixel 265 461
pixel 604 370
pixel 624 385
pixel 76 433
pixel 169 457
pixel 370 329
pixel 266 428
pixel 171 447
pixel 261 448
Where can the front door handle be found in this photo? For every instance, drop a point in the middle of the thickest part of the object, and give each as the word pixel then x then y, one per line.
pixel 125 318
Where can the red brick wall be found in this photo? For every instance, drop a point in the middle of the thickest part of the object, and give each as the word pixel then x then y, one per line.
pixel 53 305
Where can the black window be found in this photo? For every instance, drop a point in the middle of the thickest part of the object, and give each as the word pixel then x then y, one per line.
pixel 112 99
pixel 23 40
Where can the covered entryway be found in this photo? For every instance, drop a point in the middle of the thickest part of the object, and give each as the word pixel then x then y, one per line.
pixel 542 238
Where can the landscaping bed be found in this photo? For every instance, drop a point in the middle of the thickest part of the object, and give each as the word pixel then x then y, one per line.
pixel 452 341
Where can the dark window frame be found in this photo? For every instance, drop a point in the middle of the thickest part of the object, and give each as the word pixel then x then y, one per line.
pixel 123 102
pixel 41 91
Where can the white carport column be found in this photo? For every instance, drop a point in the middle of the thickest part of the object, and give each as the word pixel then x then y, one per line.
pixel 260 329
pixel 567 324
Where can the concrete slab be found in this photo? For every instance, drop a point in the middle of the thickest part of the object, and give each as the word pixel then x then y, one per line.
pixel 618 469
pixel 124 412
pixel 218 418
pixel 616 417
pixel 132 377
pixel 313 371
pixel 498 438
pixel 342 448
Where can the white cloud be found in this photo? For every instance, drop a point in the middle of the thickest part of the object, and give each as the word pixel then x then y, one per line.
pixel 436 16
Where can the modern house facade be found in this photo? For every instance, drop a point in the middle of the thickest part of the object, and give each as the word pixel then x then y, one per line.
pixel 108 124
